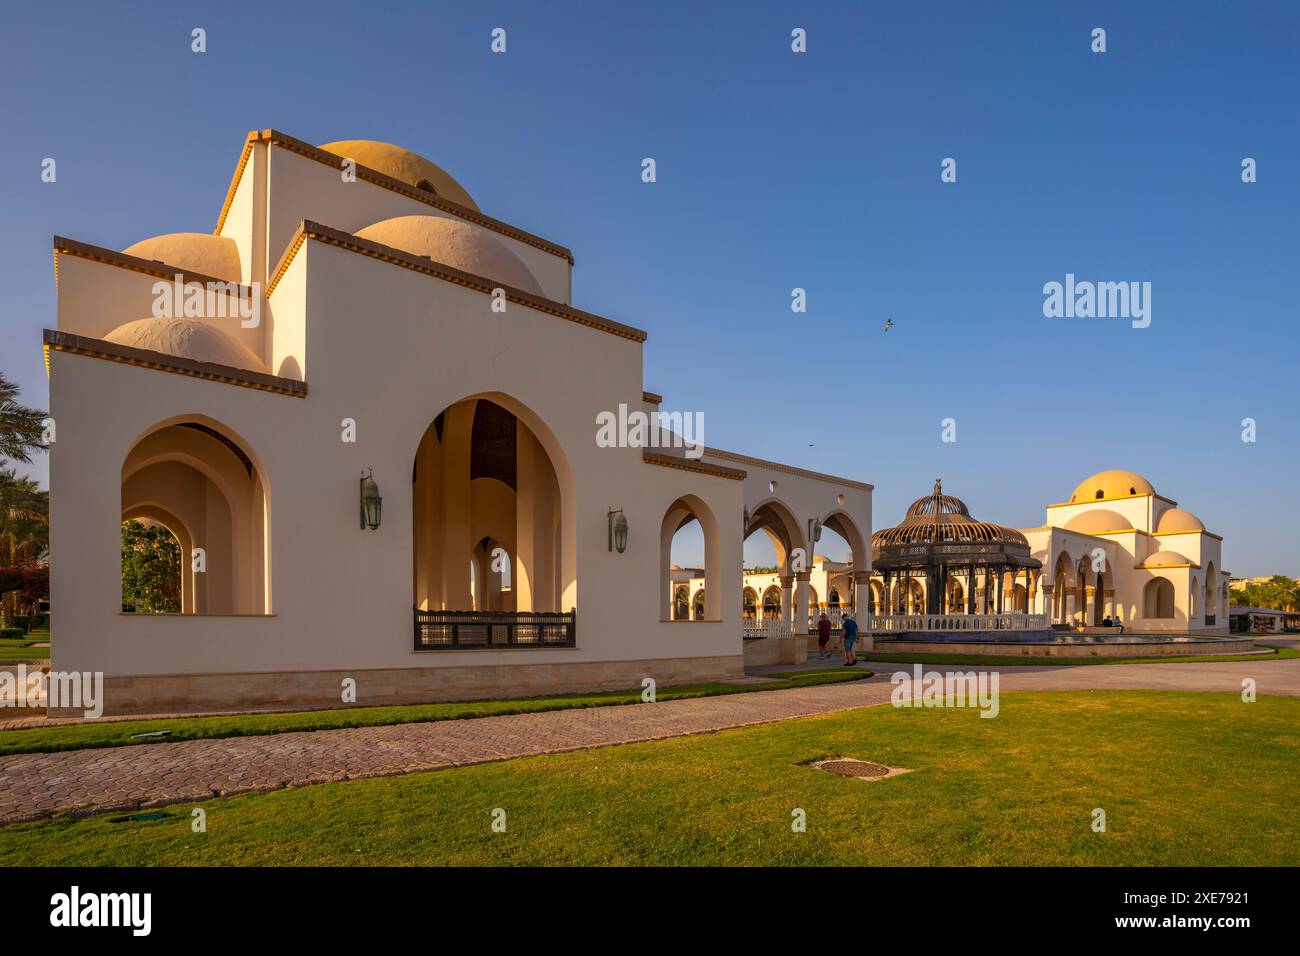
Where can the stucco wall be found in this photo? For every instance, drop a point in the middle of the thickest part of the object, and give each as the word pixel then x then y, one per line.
pixel 390 348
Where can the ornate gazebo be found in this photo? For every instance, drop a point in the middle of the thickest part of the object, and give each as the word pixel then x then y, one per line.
pixel 938 539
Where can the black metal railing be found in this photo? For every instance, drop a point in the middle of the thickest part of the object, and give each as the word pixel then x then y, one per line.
pixel 441 630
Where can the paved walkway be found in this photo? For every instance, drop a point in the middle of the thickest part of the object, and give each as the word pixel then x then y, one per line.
pixel 118 778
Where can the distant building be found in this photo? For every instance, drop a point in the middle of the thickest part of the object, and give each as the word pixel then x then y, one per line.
pixel 1263 620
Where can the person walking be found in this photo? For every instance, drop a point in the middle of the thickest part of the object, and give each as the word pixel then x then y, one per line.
pixel 850 638
pixel 823 636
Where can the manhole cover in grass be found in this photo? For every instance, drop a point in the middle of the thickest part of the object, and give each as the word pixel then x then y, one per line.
pixel 859 769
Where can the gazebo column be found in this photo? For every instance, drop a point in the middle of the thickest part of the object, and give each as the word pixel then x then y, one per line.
pixel 1001 575
pixel 970 589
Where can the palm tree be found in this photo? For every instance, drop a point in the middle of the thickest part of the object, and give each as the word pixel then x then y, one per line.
pixel 24 530
pixel 21 428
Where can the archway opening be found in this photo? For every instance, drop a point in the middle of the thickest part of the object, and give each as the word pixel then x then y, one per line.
pixel 489 515
pixel 689 531
pixel 1211 595
pixel 1158 598
pixel 1062 591
pixel 195 479
pixel 772 554
pixel 151 567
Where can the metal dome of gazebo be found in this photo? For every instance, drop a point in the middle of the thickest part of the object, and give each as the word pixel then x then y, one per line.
pixel 937 537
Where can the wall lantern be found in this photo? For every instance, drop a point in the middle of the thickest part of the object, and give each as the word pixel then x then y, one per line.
pixel 814 530
pixel 371 503
pixel 617 530
pixel 746 525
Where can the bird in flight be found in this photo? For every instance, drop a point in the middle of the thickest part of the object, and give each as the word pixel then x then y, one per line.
pixel 889 324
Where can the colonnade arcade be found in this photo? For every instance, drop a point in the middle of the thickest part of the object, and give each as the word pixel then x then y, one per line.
pixel 793 597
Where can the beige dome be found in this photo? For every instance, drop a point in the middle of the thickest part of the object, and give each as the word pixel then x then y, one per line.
pixel 1176 519
pixel 402 164
pixel 187 338
pixel 208 255
pixel 1098 520
pixel 1165 559
pixel 460 245
pixel 1115 483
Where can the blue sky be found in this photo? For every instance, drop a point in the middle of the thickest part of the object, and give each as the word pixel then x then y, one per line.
pixel 776 171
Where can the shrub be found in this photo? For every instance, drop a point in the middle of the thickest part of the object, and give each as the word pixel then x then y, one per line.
pixel 11 633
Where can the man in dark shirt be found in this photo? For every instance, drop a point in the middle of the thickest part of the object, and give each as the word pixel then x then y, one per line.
pixel 823 636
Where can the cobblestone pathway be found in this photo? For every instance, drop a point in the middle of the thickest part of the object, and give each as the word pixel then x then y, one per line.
pixel 117 778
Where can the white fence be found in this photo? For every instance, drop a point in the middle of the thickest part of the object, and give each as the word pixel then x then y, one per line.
pixel 772 627
pixel 958 622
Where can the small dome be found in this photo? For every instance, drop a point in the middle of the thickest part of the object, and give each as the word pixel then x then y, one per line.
pixel 1098 520
pixel 402 164
pixel 1115 483
pixel 1176 519
pixel 200 252
pixel 460 245
pixel 939 518
pixel 187 338
pixel 1164 559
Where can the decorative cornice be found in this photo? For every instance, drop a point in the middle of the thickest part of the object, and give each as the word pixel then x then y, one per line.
pixel 149 267
pixel 788 469
pixel 345 240
pixel 365 173
pixel 252 137
pixel 652 398
pixel 160 361
pixel 1093 501
pixel 1208 534
pixel 692 464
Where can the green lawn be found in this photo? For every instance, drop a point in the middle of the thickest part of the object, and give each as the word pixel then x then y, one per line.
pixel 1184 778
pixel 21 650
pixel 1279 654
pixel 119 733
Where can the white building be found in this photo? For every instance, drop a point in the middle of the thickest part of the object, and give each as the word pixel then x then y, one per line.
pixel 1119 549
pixel 355 310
